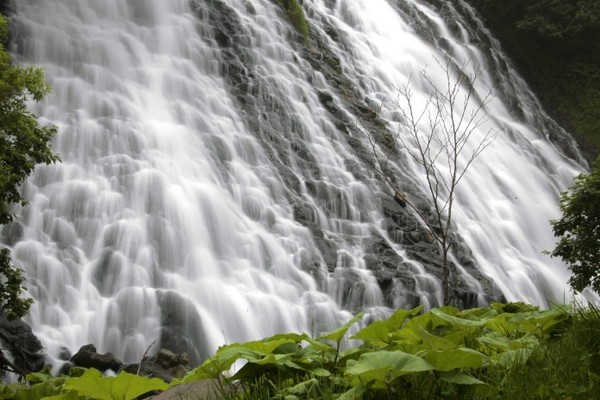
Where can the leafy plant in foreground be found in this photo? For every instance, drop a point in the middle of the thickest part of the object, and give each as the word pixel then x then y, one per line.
pixel 445 351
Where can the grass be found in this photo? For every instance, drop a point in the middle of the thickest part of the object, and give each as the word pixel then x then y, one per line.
pixel 566 366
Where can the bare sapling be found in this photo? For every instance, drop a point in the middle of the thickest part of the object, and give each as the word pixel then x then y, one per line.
pixel 443 135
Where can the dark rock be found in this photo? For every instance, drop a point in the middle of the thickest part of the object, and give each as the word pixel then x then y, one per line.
pixel 165 365
pixel 64 354
pixel 26 349
pixel 65 369
pixel 87 357
pixel 181 327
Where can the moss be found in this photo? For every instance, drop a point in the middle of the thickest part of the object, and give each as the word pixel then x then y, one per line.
pixel 296 16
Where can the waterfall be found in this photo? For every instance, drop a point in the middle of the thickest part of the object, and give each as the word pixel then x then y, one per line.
pixel 214 186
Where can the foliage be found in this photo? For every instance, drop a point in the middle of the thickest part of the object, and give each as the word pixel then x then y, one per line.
pixel 579 230
pixel 90 385
pixel 567 366
pixel 560 19
pixel 446 350
pixel 124 386
pixel 550 42
pixel 504 351
pixel 23 144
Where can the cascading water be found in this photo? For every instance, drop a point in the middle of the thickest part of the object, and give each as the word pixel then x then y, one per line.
pixel 214 188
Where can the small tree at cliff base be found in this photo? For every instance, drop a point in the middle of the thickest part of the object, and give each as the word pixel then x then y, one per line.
pixel 443 137
pixel 579 230
pixel 23 144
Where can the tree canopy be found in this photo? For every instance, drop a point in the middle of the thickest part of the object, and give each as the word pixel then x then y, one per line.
pixel 552 44
pixel 560 19
pixel 24 143
pixel 579 230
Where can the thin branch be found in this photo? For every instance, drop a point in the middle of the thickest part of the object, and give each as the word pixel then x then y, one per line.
pixel 143 357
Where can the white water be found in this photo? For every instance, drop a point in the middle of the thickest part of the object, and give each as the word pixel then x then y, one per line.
pixel 166 196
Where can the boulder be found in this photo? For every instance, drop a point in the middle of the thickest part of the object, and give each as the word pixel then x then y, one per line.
pixel 87 357
pixel 26 349
pixel 165 365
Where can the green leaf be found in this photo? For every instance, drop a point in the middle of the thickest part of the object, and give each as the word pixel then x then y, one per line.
pixel 257 352
pixel 448 360
pixel 379 333
pixel 510 358
pixel 502 343
pixel 321 372
pixel 414 339
pixel 376 335
pixel 353 394
pixel 38 377
pixel 351 353
pixel 495 340
pixel 38 391
pixel 70 395
pixel 383 366
pixel 460 378
pixel 439 312
pixel 338 334
pixel 124 386
pixel 304 388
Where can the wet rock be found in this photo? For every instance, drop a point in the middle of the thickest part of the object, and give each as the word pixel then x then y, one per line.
pixel 181 327
pixel 88 357
pixel 165 365
pixel 26 349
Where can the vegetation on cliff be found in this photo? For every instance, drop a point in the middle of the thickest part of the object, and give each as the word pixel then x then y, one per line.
pixel 579 230
pixel 552 44
pixel 23 144
pixel 296 16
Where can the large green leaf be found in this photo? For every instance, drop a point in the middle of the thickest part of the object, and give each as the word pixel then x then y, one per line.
pixel 414 339
pixel 500 343
pixel 379 333
pixel 257 352
pixel 376 335
pixel 510 358
pixel 124 386
pixel 540 322
pixel 444 315
pixel 338 334
pixel 38 391
pixel 460 378
pixel 495 340
pixel 383 366
pixel 71 395
pixel 448 360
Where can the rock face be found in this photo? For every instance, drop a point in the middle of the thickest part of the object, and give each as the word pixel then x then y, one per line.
pixel 26 349
pixel 87 357
pixel 307 191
